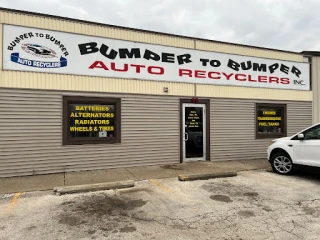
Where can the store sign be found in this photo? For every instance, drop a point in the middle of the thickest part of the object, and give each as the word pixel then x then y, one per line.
pixel 270 119
pixel 29 49
pixel 91 121
pixel 193 119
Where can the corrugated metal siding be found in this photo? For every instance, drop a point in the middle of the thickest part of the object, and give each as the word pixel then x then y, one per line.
pixel 30 134
pixel 252 93
pixel 1 45
pixel 93 30
pixel 247 51
pixel 15 79
pixel 299 116
pixel 233 128
pixel 316 88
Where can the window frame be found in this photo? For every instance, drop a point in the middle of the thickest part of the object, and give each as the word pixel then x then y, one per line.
pixel 90 100
pixel 285 121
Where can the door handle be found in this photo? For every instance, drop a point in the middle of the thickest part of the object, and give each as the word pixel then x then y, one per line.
pixel 186 136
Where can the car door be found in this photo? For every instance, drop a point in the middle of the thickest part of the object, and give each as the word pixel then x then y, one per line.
pixel 307 151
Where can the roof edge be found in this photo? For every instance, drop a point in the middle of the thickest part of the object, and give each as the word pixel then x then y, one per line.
pixel 142 30
pixel 311 53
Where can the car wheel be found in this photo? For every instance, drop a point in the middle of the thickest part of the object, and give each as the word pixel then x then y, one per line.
pixel 281 163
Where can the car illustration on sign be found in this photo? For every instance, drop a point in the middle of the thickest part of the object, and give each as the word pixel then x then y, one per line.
pixel 39 50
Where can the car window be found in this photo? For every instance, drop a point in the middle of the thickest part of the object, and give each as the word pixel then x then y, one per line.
pixel 313 133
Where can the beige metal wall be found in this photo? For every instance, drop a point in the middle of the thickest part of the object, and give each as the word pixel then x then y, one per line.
pixel 31 132
pixel 29 80
pixel 316 88
pixel 247 51
pixel 13 79
pixel 233 127
pixel 252 93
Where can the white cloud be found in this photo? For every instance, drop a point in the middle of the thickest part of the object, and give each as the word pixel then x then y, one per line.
pixel 287 24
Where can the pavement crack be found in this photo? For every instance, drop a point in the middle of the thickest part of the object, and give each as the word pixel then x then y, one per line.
pixel 132 174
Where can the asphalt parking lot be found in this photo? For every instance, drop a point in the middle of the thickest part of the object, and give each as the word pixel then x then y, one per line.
pixel 253 205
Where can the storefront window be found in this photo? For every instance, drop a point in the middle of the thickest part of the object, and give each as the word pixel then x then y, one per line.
pixel 91 120
pixel 270 121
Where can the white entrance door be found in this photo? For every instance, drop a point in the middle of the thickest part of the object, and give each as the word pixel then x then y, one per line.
pixel 194 132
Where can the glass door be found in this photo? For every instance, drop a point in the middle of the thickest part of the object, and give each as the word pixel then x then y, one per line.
pixel 194 132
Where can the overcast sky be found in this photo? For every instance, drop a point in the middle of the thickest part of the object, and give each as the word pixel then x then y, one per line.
pixel 282 24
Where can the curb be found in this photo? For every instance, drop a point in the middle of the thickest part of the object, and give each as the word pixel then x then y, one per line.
pixel 192 177
pixel 92 187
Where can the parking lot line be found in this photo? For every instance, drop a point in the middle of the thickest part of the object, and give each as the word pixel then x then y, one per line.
pixel 13 201
pixel 160 185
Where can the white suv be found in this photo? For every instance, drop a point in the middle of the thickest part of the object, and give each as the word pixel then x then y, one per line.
pixel 300 149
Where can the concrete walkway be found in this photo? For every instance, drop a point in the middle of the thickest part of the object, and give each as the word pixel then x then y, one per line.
pixel 48 182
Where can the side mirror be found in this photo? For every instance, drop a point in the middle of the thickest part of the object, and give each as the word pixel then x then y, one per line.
pixel 301 136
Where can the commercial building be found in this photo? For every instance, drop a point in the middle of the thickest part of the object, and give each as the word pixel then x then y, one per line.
pixel 78 95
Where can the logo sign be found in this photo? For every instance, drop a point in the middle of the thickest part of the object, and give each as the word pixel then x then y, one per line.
pixel 34 54
pixel 30 49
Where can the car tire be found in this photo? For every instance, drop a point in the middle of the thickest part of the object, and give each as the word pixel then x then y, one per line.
pixel 281 163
